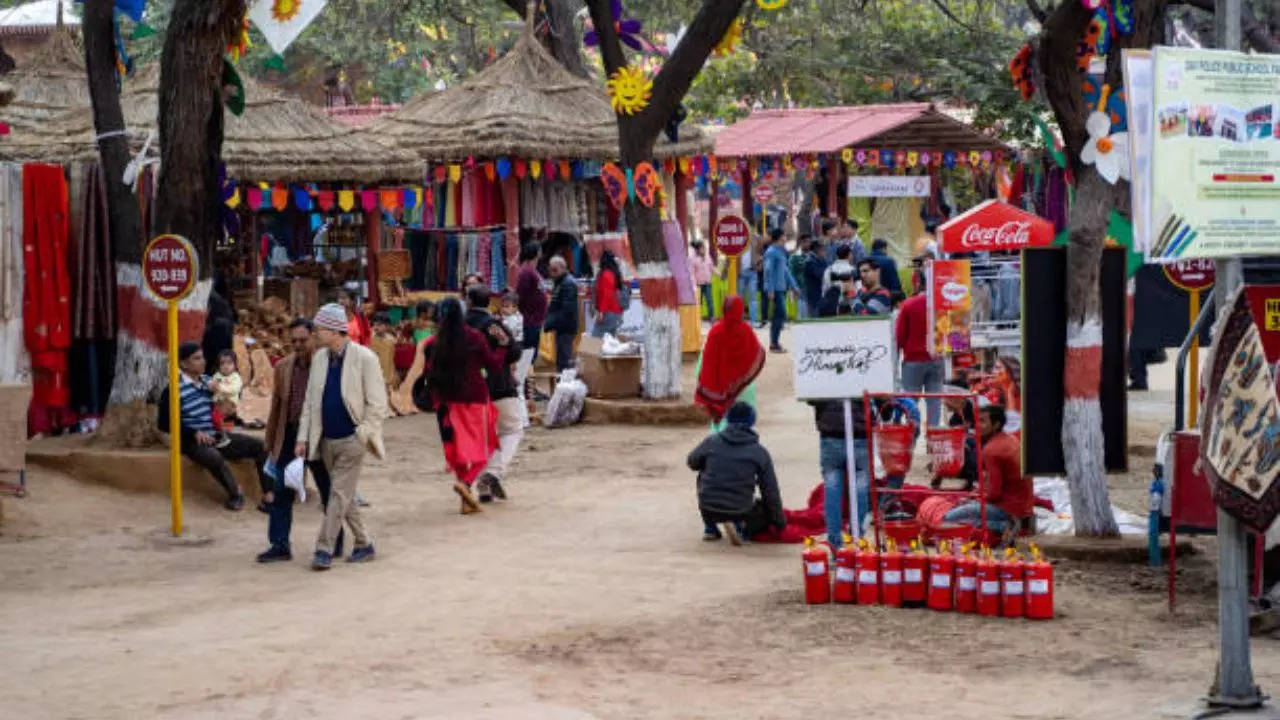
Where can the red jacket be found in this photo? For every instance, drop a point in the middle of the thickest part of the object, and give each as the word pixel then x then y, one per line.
pixel 607 293
pixel 482 360
pixel 912 329
pixel 1006 486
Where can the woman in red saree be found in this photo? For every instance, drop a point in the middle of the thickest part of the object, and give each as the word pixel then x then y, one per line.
pixel 730 362
pixel 455 358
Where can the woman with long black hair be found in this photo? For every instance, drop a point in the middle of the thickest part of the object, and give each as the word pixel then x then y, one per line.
pixel 608 301
pixel 456 359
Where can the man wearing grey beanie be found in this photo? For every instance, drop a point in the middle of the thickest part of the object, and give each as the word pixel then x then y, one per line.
pixel 342 419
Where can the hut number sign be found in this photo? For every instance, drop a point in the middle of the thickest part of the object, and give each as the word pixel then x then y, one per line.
pixel 169 267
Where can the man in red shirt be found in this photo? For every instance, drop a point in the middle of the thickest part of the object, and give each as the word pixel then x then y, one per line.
pixel 921 372
pixel 1007 494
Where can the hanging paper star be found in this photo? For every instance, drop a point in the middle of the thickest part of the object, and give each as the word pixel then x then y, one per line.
pixel 629 90
pixel 281 21
pixel 628 29
pixel 285 10
pixel 1107 152
pixel 729 42
pixel 1020 69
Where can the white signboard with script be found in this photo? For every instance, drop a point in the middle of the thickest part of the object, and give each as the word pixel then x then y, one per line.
pixel 889 186
pixel 836 359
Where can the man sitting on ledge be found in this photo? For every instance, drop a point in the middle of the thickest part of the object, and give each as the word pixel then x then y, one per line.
pixel 202 442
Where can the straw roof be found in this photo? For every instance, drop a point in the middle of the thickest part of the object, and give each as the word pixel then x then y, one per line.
pixel 52 81
pixel 277 138
pixel 524 105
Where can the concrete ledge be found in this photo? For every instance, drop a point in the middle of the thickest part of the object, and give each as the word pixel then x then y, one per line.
pixel 635 411
pixel 142 471
pixel 1127 549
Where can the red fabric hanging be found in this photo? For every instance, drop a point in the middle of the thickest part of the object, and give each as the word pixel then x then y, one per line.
pixel 46 299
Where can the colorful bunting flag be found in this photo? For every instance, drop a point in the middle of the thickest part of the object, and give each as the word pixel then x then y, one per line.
pixel 281 21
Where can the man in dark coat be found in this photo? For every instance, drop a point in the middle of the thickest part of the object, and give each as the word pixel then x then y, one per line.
pixel 562 312
pixel 731 465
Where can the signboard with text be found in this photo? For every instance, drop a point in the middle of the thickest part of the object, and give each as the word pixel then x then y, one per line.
pixel 762 193
pixel 1194 275
pixel 731 234
pixel 949 303
pixel 836 359
pixel 994 225
pixel 169 267
pixel 1215 157
pixel 889 186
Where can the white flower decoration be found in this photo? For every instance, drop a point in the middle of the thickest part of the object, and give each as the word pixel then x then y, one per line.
pixel 1108 153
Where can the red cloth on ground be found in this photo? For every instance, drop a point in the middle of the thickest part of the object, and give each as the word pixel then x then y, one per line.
pixel 606 298
pixel 469 433
pixel 732 359
pixel 912 329
pixel 800 523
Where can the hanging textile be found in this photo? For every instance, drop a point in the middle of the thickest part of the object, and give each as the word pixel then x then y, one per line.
pixel 533 204
pixel 891 221
pixel 561 213
pixel 46 302
pixel 94 282
pixel 678 259
pixel 484 250
pixel 450 269
pixel 14 367
pixel 497 261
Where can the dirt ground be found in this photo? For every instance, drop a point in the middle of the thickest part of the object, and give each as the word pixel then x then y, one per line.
pixel 589 595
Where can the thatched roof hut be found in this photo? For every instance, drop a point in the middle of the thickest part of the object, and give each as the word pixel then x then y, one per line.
pixel 527 105
pixel 51 82
pixel 277 138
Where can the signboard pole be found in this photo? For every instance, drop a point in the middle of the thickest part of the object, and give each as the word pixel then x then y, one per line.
pixel 1194 380
pixel 175 420
pixel 733 277
pixel 851 477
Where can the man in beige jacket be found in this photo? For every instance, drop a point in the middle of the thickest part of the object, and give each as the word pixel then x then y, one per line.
pixel 341 420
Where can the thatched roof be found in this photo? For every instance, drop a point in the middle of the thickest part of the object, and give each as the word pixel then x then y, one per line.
pixel 277 138
pixel 524 105
pixel 51 82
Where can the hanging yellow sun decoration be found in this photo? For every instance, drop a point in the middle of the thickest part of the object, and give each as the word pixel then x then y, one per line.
pixel 729 42
pixel 285 10
pixel 771 4
pixel 629 90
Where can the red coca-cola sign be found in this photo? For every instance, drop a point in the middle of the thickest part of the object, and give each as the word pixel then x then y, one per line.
pixel 994 225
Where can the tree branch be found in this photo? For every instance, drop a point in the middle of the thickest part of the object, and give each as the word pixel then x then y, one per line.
pixel 1036 11
pixel 677 73
pixel 1254 31
pixel 941 5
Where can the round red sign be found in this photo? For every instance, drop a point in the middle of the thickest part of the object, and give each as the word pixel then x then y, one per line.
pixel 762 194
pixel 731 233
pixel 1191 275
pixel 169 267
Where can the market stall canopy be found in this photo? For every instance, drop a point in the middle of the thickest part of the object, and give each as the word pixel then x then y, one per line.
pixel 53 81
pixel 829 130
pixel 526 104
pixel 37 17
pixel 277 139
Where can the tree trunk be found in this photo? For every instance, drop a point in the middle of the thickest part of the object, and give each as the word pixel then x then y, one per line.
pixel 637 135
pixel 562 39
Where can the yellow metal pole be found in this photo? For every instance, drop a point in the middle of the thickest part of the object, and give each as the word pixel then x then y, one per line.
pixel 1195 359
pixel 733 277
pixel 175 423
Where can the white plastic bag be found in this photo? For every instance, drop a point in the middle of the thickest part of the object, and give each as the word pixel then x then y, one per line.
pixel 613 347
pixel 567 402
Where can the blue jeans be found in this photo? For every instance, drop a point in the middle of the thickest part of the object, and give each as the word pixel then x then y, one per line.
pixel 777 317
pixel 608 323
pixel 705 290
pixel 831 455
pixel 925 377
pixel 970 513
pixel 748 288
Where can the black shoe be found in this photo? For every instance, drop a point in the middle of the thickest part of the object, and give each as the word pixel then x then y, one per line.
pixel 275 554
pixel 778 349
pixel 234 503
pixel 709 536
pixel 321 561
pixel 362 554
pixel 495 487
pixel 264 508
pixel 1137 386
pixel 482 486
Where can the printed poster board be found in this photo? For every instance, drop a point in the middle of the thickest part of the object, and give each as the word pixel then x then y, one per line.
pixel 843 357
pixel 949 303
pixel 1215 156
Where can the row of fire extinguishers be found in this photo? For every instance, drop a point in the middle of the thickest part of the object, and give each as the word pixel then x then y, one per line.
pixel 961 579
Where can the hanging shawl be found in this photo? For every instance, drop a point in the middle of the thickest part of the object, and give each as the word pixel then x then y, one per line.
pixel 732 359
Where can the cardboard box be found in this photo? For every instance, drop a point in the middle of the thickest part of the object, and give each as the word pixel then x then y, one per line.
pixel 14 400
pixel 607 377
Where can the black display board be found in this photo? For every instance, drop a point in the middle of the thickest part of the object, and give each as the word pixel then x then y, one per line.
pixel 1044 343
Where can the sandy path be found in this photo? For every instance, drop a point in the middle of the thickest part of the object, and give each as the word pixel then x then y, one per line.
pixel 589 596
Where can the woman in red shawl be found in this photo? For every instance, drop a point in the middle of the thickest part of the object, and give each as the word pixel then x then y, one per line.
pixel 456 359
pixel 730 362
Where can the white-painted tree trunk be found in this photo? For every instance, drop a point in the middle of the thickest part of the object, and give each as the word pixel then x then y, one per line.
pixel 661 374
pixel 1082 441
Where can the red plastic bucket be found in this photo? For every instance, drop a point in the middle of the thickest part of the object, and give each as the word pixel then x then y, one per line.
pixel 902 531
pixel 946 450
pixel 893 444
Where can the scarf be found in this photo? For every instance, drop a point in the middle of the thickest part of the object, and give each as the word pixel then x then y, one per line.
pixel 732 359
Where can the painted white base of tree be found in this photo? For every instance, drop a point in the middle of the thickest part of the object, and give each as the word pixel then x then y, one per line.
pixel 661 375
pixel 1082 440
pixel 141 367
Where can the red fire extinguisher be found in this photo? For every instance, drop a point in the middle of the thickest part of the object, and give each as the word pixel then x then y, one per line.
pixel 1039 598
pixel 891 575
pixel 988 585
pixel 914 566
pixel 817 578
pixel 846 584
pixel 1012 592
pixel 868 565
pixel 967 581
pixel 940 570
